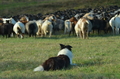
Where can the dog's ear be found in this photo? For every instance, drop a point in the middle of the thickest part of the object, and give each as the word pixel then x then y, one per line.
pixel 65 46
pixel 62 46
pixel 68 47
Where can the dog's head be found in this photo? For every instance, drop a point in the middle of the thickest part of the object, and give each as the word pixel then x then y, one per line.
pixel 65 46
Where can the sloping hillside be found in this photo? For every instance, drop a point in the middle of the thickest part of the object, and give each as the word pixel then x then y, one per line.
pixel 14 7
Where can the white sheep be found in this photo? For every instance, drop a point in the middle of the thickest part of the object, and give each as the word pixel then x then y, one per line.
pixel 84 26
pixel 68 26
pixel 47 27
pixel 19 29
pixel 115 23
pixel 39 24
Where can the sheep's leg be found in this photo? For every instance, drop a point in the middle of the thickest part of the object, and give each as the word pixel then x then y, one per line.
pixel 81 34
pixel 70 33
pixel 87 33
pixel 117 30
pixel 50 33
pixel 77 33
pixel 18 35
pixel 65 30
pixel 113 30
pixel 84 35
pixel 45 33
pixel 42 33
pixel 22 35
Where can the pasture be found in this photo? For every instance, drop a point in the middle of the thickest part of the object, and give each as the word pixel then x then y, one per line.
pixel 97 57
pixel 10 8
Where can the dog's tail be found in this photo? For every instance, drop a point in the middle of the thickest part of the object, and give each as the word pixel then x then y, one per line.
pixel 39 68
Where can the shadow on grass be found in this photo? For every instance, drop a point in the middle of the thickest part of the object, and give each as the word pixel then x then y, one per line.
pixel 62 36
pixel 91 62
pixel 103 34
pixel 57 37
pixel 23 66
pixel 13 65
pixel 28 65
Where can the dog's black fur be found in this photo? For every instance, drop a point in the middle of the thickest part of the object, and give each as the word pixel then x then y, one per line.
pixel 55 63
pixel 58 62
pixel 67 46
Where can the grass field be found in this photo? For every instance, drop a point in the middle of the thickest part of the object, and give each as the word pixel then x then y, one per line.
pixel 18 7
pixel 97 57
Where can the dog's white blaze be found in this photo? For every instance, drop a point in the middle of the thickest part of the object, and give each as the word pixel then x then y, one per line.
pixel 39 68
pixel 66 52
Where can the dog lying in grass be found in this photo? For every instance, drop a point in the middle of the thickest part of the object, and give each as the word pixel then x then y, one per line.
pixel 62 60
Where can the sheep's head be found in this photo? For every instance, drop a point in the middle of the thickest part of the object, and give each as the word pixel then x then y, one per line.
pixel 89 16
pixel 23 20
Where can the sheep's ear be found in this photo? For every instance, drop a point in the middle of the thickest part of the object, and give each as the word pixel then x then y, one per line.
pixel 62 46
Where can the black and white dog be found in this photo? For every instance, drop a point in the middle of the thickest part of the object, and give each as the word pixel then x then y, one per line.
pixel 62 60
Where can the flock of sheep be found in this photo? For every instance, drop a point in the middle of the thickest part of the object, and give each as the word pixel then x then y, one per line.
pixel 81 21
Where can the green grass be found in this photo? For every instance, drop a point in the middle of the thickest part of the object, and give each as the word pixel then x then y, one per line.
pixel 96 58
pixel 18 7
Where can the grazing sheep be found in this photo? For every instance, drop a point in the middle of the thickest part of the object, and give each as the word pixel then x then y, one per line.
pixel 6 28
pixel 58 24
pixel 31 28
pixel 68 26
pixel 74 22
pixel 47 27
pixel 99 24
pixel 115 23
pixel 39 24
pixel 10 20
pixel 19 29
pixel 84 26
pixel 2 27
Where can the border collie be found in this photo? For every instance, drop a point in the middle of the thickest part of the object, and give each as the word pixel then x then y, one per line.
pixel 62 60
